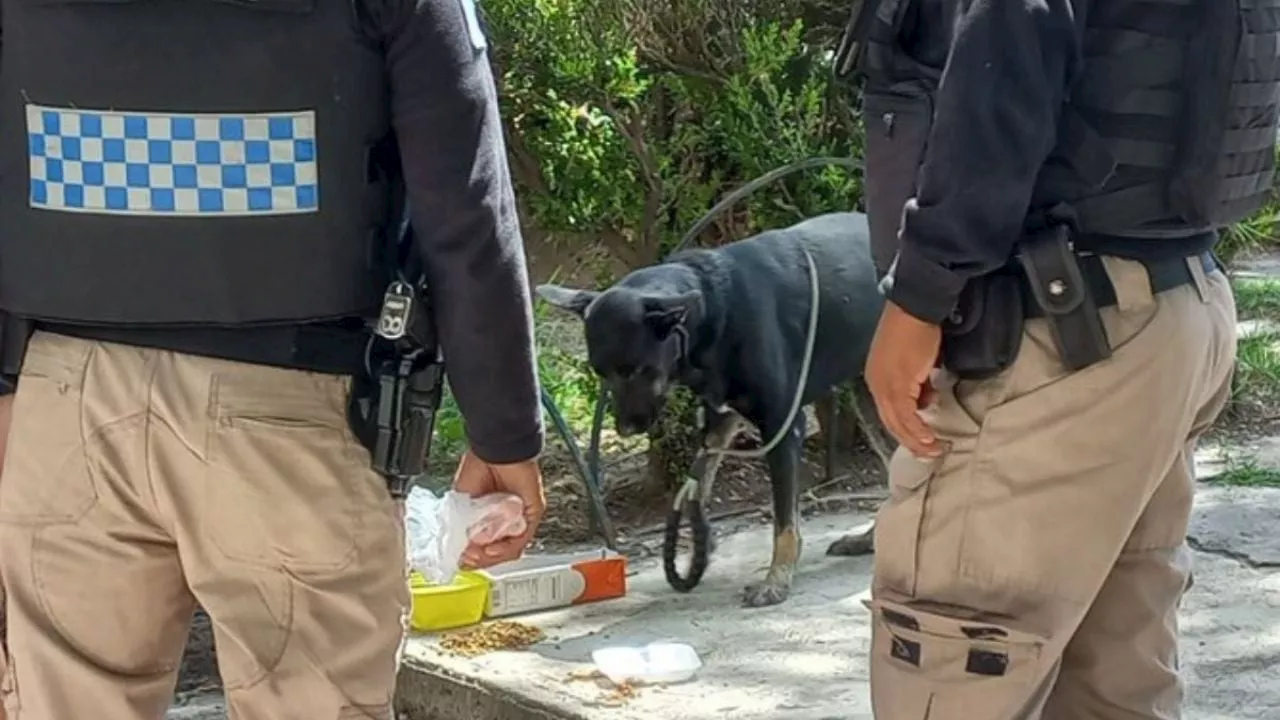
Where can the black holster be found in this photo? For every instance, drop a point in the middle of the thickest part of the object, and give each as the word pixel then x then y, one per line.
pixel 984 334
pixel 982 337
pixel 408 399
pixel 393 415
pixel 15 332
pixel 393 410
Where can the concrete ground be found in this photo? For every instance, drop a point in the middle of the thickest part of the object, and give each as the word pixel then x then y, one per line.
pixel 806 659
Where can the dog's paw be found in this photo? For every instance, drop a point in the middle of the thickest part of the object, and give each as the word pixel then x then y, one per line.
pixel 764 594
pixel 853 544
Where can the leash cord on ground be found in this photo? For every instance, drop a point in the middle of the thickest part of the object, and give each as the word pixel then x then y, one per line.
pixel 700 528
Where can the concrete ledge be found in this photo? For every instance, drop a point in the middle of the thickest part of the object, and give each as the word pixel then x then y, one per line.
pixel 430 692
pixel 806 659
pixel 802 660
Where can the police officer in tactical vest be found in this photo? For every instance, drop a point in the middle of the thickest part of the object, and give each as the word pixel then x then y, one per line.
pixel 1045 183
pixel 213 349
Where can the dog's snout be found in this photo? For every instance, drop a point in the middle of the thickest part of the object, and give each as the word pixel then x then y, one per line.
pixel 634 424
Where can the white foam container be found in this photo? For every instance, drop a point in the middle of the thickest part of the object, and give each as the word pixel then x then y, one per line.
pixel 652 664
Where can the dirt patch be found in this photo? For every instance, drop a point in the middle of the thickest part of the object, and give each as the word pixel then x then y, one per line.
pixel 1245 421
pixel 742 488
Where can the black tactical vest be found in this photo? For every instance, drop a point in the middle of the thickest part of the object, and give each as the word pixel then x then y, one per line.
pixel 1173 121
pixel 1172 126
pixel 190 162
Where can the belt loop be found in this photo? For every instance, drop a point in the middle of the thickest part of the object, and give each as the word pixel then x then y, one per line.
pixel 1131 282
pixel 1195 264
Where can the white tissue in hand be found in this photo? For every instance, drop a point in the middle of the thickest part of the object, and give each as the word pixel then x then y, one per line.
pixel 438 529
pixel 498 516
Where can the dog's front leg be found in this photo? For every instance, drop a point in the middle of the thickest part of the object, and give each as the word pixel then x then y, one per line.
pixel 828 407
pixel 784 471
pixel 722 427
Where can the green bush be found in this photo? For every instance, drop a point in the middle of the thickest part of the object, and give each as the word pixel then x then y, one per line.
pixel 627 119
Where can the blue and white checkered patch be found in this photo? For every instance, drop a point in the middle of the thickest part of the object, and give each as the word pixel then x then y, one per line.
pixel 135 163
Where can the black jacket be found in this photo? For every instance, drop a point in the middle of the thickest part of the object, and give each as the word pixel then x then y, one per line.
pixel 445 114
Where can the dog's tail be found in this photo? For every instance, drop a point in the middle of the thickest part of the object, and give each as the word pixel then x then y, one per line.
pixel 701 528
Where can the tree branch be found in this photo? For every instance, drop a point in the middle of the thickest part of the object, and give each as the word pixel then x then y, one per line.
pixel 632 130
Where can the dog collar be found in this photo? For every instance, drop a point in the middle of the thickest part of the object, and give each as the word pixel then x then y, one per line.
pixel 681 334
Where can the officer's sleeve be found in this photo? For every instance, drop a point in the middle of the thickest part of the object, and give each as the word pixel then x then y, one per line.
pixel 445 113
pixel 13 332
pixel 994 124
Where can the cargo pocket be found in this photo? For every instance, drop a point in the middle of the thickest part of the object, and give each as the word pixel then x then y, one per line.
pixel 927 666
pixel 46 472
pixel 898 522
pixel 897 126
pixel 287 485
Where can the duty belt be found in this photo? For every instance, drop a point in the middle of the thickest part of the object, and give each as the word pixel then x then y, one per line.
pixel 1165 274
pixel 320 347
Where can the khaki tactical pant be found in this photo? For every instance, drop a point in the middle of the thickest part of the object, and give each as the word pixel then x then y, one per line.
pixel 139 482
pixel 1035 570
pixel 4 656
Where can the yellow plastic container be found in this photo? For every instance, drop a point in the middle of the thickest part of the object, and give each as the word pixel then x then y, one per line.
pixel 443 607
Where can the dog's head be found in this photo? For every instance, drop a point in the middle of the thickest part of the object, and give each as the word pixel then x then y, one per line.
pixel 635 342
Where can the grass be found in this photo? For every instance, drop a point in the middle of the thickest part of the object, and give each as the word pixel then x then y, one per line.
pixel 1258 299
pixel 1257 375
pixel 563 371
pixel 1255 234
pixel 1247 472
pixel 1258 355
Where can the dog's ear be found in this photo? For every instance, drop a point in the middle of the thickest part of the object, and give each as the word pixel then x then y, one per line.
pixel 568 299
pixel 664 313
pixel 664 321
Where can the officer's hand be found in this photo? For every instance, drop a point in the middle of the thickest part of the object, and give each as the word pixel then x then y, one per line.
pixel 475 477
pixel 902 357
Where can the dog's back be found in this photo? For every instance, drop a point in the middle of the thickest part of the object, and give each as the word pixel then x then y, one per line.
pixel 767 296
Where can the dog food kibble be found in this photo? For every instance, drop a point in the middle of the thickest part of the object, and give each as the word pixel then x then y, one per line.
pixel 621 694
pixel 615 695
pixel 491 637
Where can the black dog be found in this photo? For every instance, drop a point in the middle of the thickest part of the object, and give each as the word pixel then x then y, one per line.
pixel 731 324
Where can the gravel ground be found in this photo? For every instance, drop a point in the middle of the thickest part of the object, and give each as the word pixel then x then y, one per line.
pixel 199 671
pixel 198 694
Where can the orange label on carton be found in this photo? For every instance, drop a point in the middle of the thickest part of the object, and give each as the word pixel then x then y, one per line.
pixel 604 579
